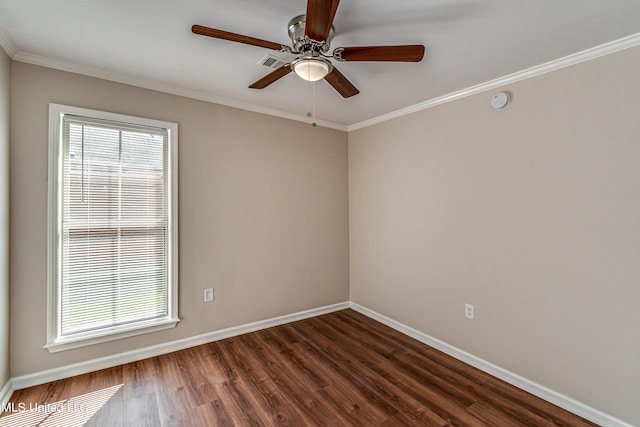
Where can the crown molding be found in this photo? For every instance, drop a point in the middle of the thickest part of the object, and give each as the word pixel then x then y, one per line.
pixel 538 70
pixel 7 44
pixel 163 87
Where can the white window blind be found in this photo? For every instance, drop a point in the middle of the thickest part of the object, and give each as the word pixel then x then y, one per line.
pixel 114 269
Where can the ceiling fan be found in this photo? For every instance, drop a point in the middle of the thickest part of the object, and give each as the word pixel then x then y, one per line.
pixel 311 36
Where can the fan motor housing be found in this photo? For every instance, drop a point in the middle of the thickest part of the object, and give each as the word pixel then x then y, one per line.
pixel 302 43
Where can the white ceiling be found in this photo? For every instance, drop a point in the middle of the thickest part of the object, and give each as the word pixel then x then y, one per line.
pixel 468 42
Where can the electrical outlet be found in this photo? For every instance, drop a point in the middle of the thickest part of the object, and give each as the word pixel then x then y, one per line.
pixel 208 295
pixel 469 311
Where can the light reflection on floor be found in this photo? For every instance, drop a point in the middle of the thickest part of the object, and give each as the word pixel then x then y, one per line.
pixel 73 412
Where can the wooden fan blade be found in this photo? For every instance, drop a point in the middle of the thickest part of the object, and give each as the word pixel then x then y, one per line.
pixel 225 35
pixel 402 53
pixel 271 77
pixel 341 83
pixel 319 18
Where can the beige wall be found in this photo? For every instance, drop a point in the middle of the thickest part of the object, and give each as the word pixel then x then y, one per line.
pixel 532 214
pixel 263 212
pixel 5 67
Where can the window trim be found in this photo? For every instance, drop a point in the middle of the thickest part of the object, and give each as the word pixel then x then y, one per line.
pixel 54 218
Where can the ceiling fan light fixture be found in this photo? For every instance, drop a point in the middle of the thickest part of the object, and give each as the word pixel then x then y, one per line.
pixel 312 69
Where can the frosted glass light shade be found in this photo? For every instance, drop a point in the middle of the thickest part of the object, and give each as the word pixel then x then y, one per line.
pixel 311 69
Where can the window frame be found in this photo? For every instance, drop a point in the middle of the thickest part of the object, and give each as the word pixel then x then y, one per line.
pixel 55 342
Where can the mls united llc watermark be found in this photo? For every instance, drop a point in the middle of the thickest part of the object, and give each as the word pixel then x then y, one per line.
pixel 44 407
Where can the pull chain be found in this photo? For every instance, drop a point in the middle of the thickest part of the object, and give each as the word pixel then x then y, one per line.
pixel 309 96
pixel 311 103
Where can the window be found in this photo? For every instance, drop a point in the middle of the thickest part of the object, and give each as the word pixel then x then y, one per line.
pixel 112 226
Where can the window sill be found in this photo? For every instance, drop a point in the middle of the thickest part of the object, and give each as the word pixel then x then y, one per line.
pixel 109 335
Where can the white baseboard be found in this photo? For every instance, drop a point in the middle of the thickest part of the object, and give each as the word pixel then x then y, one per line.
pixel 538 390
pixel 5 393
pixel 54 374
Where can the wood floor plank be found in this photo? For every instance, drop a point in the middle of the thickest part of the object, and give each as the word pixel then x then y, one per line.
pixel 363 366
pixel 275 366
pixel 142 411
pixel 339 369
pixel 271 404
pixel 214 414
pixel 355 394
pixel 329 396
pixel 112 414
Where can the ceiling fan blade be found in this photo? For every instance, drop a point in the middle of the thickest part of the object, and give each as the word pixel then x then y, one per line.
pixel 341 83
pixel 402 53
pixel 225 35
pixel 271 77
pixel 319 18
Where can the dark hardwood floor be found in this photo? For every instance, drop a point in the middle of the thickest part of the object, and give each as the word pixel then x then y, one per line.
pixel 340 369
